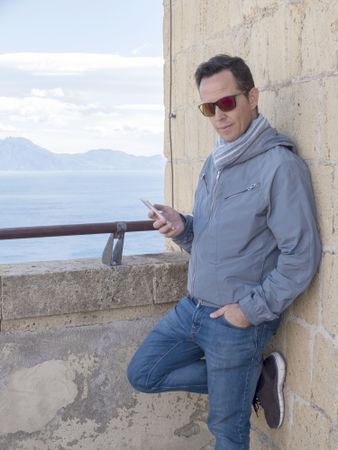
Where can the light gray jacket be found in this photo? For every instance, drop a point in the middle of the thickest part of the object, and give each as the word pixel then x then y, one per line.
pixel 253 237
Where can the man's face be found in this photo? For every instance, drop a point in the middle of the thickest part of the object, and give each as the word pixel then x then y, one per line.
pixel 232 124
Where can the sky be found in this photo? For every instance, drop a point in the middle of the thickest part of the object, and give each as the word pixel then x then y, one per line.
pixel 77 75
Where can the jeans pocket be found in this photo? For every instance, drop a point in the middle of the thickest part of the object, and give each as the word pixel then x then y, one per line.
pixel 231 325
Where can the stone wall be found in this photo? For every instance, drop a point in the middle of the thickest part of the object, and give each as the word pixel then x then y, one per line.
pixel 291 47
pixel 68 330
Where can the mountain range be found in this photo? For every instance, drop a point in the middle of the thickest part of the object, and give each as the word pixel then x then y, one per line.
pixel 20 154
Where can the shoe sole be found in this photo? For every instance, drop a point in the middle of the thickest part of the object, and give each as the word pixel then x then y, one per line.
pixel 281 372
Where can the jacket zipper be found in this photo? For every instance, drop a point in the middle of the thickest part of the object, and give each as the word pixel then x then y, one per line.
pixel 250 188
pixel 211 208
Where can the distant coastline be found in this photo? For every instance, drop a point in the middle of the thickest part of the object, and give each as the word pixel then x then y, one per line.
pixel 22 155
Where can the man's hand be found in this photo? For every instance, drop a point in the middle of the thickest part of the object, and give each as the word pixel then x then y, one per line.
pixel 172 225
pixel 233 314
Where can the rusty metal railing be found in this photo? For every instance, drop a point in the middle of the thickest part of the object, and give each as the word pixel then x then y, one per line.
pixel 112 253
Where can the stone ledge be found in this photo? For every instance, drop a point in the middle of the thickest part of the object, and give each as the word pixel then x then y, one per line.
pixel 68 388
pixel 44 289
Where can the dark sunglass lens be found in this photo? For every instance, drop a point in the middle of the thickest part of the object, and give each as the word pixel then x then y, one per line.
pixel 227 103
pixel 207 109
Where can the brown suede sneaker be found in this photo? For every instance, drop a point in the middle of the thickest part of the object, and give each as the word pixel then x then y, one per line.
pixel 269 391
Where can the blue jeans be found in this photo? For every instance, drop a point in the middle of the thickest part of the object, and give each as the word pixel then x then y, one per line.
pixel 189 351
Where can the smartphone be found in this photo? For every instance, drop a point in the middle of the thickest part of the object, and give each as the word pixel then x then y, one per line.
pixel 152 208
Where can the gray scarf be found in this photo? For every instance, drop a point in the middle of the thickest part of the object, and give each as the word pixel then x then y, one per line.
pixel 258 138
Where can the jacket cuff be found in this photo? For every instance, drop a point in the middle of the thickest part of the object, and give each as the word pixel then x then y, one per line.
pixel 247 308
pixel 254 311
pixel 187 233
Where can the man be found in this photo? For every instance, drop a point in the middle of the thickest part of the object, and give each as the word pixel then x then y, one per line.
pixel 254 247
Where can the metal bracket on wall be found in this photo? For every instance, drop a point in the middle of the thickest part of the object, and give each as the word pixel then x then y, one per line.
pixel 112 254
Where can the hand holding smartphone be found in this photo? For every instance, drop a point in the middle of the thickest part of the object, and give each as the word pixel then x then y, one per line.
pixel 152 208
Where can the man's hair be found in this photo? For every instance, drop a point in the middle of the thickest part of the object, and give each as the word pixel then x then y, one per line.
pixel 234 64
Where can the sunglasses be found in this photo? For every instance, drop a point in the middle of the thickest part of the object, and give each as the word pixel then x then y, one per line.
pixel 225 104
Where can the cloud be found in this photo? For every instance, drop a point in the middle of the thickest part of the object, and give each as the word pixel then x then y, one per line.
pixel 86 101
pixel 38 109
pixel 75 63
pixel 7 128
pixel 130 127
pixel 140 107
pixel 57 92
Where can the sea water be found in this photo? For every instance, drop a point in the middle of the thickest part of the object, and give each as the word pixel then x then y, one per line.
pixel 61 198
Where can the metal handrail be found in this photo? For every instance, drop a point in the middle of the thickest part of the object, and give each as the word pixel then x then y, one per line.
pixel 72 230
pixel 112 254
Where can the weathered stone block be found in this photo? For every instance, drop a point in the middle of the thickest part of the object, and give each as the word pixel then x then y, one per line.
pixel 268 106
pixel 330 129
pixel 279 28
pixel 86 286
pixel 55 288
pixel 322 178
pixel 335 208
pixel 183 187
pixel 310 428
pixel 299 358
pixel 33 324
pixel 192 24
pixel 329 293
pixel 170 280
pixel 216 16
pixel 249 11
pixel 180 78
pixel 260 441
pixel 296 117
pixel 325 376
pixel 333 439
pixel 238 42
pixel 319 45
pixel 178 28
pixel 307 305
pixel 192 116
pixel 219 43
pixel 194 59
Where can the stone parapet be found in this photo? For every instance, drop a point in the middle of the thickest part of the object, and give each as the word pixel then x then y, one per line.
pixel 69 330
pixel 36 293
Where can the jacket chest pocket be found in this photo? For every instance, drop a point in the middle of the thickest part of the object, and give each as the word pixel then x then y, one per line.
pixel 240 208
pixel 240 191
pixel 240 218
